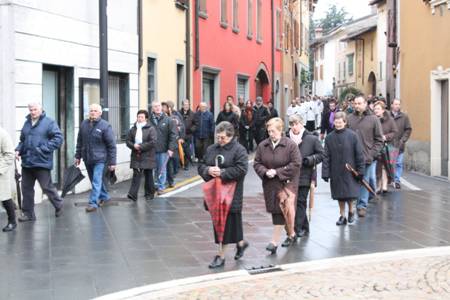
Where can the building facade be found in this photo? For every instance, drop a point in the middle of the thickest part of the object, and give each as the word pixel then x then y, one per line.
pixel 165 54
pixel 52 56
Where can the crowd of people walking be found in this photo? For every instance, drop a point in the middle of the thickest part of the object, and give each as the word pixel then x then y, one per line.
pixel 358 141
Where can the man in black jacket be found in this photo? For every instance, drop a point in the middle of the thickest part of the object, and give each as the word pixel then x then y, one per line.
pixel 166 136
pixel 260 116
pixel 327 125
pixel 96 145
pixel 312 153
pixel 188 120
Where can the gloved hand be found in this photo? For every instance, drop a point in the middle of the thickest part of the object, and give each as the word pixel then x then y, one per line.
pixel 359 177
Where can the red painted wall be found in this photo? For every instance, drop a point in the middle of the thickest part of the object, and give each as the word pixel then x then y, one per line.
pixel 233 53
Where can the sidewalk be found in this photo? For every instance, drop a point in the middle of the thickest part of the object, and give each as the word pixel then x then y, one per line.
pixel 411 274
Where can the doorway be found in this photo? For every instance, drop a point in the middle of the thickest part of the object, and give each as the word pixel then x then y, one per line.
pixel 208 91
pixel 372 80
pixel 57 102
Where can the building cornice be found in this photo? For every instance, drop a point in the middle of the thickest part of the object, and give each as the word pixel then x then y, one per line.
pixel 435 3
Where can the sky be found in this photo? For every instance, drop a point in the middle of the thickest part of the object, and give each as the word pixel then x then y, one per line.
pixel 355 8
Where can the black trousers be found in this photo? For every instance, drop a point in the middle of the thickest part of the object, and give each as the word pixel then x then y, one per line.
pixel 149 185
pixel 310 126
pixel 187 151
pixel 200 147
pixel 246 140
pixel 172 169
pixel 301 219
pixel 43 176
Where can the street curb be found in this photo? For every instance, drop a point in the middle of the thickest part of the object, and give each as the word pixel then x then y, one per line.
pixel 170 288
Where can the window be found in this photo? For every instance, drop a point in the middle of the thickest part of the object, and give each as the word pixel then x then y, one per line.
pixel 371 50
pixel 236 15
pixel 381 70
pixel 242 87
pixel 279 30
pixel 118 102
pixel 339 72
pixel 345 70
pixel 250 19
pixel 202 8
pixel 316 73
pixel 322 51
pixel 296 36
pixel 223 13
pixel 151 81
pixel 302 43
pixel 321 72
pixel 350 59
pixel 259 36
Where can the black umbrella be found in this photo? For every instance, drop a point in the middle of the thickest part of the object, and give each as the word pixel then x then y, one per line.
pixel 17 177
pixel 109 177
pixel 72 176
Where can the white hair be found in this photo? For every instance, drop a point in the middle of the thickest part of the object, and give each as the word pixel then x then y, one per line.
pixel 96 105
pixel 35 104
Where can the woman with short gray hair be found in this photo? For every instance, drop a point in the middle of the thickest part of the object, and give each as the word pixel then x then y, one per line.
pixel 232 168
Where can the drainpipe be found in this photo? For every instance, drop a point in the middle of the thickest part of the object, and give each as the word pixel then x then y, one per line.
pixel 140 45
pixel 188 50
pixel 103 34
pixel 197 41
pixel 273 52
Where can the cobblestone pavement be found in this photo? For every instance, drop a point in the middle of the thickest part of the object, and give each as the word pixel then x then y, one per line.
pixel 422 277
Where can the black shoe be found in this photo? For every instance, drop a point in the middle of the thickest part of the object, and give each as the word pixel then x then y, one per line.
pixel 385 192
pixel 303 232
pixel 132 198
pixel 271 248
pixel 397 185
pixel 186 168
pixel 59 212
pixel 25 218
pixel 9 227
pixel 150 197
pixel 171 185
pixel 342 221
pixel 351 217
pixel 240 250
pixel 289 241
pixel 217 262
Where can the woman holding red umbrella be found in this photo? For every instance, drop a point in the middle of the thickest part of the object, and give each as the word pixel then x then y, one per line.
pixel 231 168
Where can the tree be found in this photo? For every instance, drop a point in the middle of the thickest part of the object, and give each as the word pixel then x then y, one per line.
pixel 333 18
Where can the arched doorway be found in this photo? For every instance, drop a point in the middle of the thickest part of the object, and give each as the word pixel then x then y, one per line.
pixel 372 84
pixel 262 84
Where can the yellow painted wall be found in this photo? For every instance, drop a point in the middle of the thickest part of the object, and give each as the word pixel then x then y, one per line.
pixel 367 55
pixel 164 36
pixel 424 45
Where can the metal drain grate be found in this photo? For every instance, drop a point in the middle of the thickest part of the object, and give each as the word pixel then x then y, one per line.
pixel 263 269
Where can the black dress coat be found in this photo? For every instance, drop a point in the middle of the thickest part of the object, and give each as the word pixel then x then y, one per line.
pixel 234 168
pixel 146 157
pixel 341 147
pixel 311 151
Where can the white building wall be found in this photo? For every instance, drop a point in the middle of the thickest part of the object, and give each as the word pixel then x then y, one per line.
pixel 381 49
pixel 329 67
pixel 65 33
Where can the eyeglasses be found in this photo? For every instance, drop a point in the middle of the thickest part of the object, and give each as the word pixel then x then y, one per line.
pixel 222 137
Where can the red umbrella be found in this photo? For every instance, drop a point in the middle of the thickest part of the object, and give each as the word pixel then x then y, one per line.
pixel 218 197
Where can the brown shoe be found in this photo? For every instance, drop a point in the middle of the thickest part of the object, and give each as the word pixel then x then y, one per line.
pixel 91 209
pixel 361 212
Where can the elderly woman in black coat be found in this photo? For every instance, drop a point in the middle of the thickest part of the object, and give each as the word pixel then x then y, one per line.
pixel 311 151
pixel 342 147
pixel 233 168
pixel 141 140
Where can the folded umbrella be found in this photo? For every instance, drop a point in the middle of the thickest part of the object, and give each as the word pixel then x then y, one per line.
pixel 360 179
pixel 287 205
pixel 218 197
pixel 181 153
pixel 17 177
pixel 72 176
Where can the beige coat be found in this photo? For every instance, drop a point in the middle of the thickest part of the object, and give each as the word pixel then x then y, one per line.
pixel 6 161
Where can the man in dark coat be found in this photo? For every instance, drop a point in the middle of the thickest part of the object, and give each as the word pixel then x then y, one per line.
pixel 233 168
pixel 370 134
pixel 260 117
pixel 96 145
pixel 188 119
pixel 39 138
pixel 141 140
pixel 166 136
pixel 204 133
pixel 343 147
pixel 404 132
pixel 312 151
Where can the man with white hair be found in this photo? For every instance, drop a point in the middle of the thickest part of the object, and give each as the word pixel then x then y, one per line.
pixel 96 145
pixel 39 138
